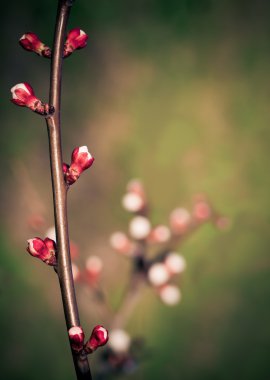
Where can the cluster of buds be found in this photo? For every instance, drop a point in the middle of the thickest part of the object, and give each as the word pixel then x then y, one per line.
pixel 23 95
pixel 44 250
pixel 76 39
pixel 160 274
pixel 98 338
pixel 81 160
pixel 134 200
pixel 142 235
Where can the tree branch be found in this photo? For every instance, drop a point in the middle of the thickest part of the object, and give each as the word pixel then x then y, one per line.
pixel 59 186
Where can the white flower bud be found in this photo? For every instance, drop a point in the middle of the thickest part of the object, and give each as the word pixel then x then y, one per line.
pixel 119 341
pixel 139 227
pixel 175 263
pixel 158 274
pixel 170 295
pixel 132 202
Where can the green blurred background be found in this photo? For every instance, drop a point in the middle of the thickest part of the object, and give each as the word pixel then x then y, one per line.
pixel 177 94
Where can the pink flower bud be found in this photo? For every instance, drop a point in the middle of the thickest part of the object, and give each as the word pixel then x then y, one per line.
pixel 98 338
pixel 159 234
pixel 44 250
pixel 202 211
pixel 180 220
pixel 81 160
pixel 76 39
pixel 170 295
pixel 76 336
pixel 30 41
pixel 121 243
pixel 23 95
pixel 136 186
pixel 93 268
pixel 175 263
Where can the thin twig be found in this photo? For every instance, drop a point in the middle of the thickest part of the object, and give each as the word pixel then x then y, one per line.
pixel 59 187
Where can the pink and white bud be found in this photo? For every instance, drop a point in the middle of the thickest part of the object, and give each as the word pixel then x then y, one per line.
pixel 75 272
pixel 170 295
pixel 30 41
pixel 94 267
pixel 121 243
pixel 132 202
pixel 119 341
pixel 23 95
pixel 136 186
pixel 158 274
pixel 160 234
pixel 175 263
pixel 98 338
pixel 76 39
pixel 201 211
pixel 139 227
pixel 76 337
pixel 180 220
pixel 81 160
pixel 44 250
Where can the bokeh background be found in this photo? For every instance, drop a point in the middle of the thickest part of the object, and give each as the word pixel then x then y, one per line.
pixel 177 94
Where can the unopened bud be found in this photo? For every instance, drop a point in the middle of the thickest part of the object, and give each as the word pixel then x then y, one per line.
pixel 93 268
pixel 76 336
pixel 175 263
pixel 30 41
pixel 76 39
pixel 119 341
pixel 81 160
pixel 136 186
pixel 180 219
pixel 121 243
pixel 158 274
pixel 23 95
pixel 170 294
pixel 132 202
pixel 202 211
pixel 44 250
pixel 139 227
pixel 98 338
pixel 160 234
